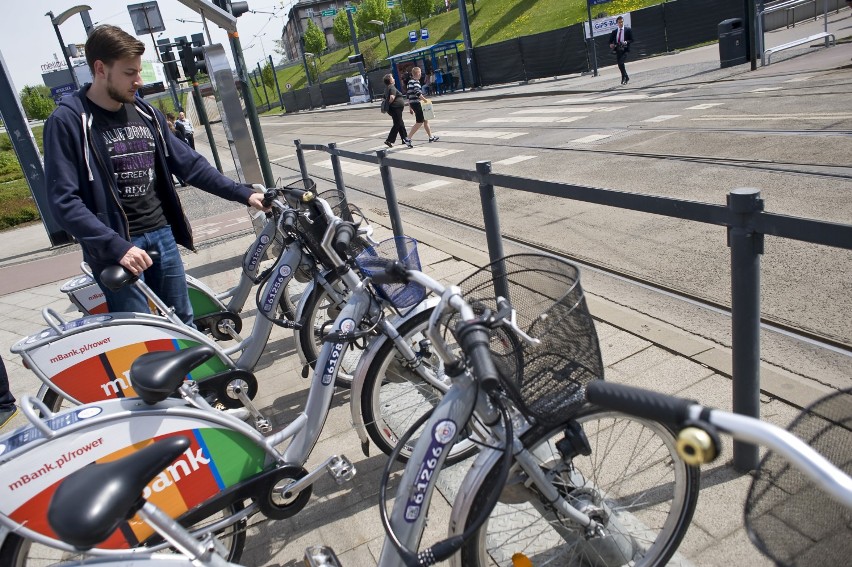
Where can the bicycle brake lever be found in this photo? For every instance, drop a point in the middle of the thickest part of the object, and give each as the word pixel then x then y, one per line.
pixel 511 319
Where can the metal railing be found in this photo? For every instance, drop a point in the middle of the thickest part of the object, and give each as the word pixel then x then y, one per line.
pixel 788 5
pixel 744 218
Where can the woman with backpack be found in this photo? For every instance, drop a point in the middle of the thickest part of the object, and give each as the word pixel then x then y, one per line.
pixel 393 103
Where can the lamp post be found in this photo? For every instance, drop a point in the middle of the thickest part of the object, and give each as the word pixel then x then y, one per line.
pixel 384 32
pixel 58 21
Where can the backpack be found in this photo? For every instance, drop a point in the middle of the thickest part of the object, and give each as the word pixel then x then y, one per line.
pixel 385 104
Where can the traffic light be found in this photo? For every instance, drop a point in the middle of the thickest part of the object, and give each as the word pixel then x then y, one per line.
pixel 237 9
pixel 168 58
pixel 187 59
pixel 198 52
pixel 355 59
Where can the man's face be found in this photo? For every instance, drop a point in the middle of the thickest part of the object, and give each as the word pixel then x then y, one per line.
pixel 620 23
pixel 415 72
pixel 181 116
pixel 123 78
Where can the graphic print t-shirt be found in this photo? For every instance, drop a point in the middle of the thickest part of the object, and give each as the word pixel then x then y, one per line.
pixel 131 147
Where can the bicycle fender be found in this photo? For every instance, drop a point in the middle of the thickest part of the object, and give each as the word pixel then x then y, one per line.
pixel 367 359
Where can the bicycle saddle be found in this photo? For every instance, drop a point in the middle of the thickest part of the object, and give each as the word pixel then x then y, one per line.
pixel 93 501
pixel 156 375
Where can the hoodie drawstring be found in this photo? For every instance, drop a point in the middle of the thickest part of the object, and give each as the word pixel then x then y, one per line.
pixel 153 119
pixel 86 127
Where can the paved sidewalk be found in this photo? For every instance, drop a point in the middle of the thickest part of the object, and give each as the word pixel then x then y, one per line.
pixel 636 350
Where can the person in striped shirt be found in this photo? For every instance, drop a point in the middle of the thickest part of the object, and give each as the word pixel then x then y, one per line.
pixel 415 97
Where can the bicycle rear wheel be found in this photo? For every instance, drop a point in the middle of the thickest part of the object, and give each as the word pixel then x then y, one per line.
pixel 633 480
pixel 16 551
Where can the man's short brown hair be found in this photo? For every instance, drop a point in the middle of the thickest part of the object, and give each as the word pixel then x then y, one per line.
pixel 110 43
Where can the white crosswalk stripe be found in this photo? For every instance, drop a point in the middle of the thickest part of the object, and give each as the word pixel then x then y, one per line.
pixel 765 89
pixel 496 134
pixel 351 167
pixel 430 185
pixel 661 118
pixel 513 160
pixel 591 138
pixel 704 106
pixel 432 151
pixel 577 109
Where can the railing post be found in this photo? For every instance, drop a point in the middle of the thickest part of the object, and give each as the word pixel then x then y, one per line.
pixel 393 205
pixel 491 218
pixel 338 180
pixel 303 167
pixel 746 247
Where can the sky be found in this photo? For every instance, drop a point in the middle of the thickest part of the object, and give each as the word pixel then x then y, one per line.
pixel 28 40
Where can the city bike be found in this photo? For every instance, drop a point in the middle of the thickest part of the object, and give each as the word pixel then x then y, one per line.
pixel 555 479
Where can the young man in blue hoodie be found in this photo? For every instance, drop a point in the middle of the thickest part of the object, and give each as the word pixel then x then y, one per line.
pixel 109 159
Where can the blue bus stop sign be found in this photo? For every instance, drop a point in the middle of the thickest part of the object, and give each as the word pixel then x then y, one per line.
pixel 424 34
pixel 412 36
pixel 58 92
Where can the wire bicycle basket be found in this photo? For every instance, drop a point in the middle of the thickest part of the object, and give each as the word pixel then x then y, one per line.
pixel 789 518
pixel 544 381
pixel 375 259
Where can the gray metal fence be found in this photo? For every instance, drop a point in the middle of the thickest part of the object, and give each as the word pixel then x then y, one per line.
pixel 743 217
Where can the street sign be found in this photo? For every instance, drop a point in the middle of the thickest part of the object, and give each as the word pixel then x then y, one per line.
pixel 331 12
pixel 58 92
pixel 424 34
pixel 146 18
pixel 352 9
pixel 288 86
pixel 391 3
pixel 412 36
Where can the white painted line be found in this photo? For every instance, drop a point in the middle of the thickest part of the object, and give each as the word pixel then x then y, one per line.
pixel 513 160
pixel 568 110
pixel 283 157
pixel 623 97
pixel 799 79
pixel 665 95
pixel 382 133
pixel 704 106
pixel 662 118
pixel 765 89
pixel 780 117
pixel 578 99
pixel 432 151
pixel 430 185
pixel 495 134
pixel 352 168
pixel 518 119
pixel 352 141
pixel 376 122
pixel 590 139
pixel 571 118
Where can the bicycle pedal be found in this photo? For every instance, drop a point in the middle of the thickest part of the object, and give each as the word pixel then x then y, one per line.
pixel 263 425
pixel 341 469
pixel 321 556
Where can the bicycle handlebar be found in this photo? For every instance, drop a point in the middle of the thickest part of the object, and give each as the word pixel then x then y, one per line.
pixel 474 340
pixel 640 402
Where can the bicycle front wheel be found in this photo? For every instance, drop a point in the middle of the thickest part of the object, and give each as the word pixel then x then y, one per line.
pixel 394 395
pixel 633 482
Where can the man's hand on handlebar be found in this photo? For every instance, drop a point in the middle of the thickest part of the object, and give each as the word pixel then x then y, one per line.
pixel 256 200
pixel 136 260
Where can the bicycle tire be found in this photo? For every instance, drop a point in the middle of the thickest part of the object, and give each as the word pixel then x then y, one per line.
pixel 319 312
pixel 17 551
pixel 523 522
pixel 389 407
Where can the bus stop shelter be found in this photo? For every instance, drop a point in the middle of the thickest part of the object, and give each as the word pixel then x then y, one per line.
pixel 441 64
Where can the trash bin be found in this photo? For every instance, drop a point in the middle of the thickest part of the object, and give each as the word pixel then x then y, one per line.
pixel 732 43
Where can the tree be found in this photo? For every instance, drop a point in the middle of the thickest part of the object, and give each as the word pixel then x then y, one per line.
pixel 371 60
pixel 37 102
pixel 372 10
pixel 267 75
pixel 340 29
pixel 280 48
pixel 419 9
pixel 314 39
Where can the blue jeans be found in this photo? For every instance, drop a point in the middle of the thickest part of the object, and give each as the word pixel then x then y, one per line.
pixel 165 277
pixel 7 400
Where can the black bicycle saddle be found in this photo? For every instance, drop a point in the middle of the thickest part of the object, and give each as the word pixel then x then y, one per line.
pixel 93 501
pixel 156 375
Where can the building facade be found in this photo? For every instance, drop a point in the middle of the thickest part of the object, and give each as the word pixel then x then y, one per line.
pixel 297 23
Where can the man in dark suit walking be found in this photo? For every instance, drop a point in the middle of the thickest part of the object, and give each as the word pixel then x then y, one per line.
pixel 619 41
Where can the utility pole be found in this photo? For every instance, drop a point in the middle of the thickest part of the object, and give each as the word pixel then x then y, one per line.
pixel 592 45
pixel 468 44
pixel 361 68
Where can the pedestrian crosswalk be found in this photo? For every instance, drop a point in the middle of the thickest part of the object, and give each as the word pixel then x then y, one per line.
pixel 351 167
